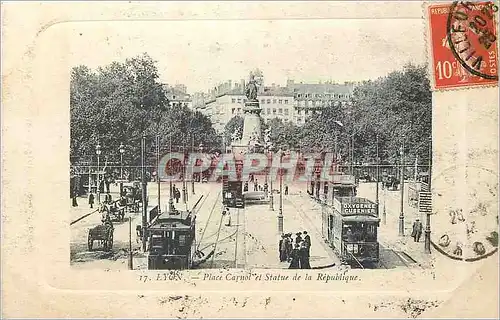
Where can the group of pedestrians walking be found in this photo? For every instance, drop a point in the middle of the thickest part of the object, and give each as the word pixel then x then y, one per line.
pixel 295 251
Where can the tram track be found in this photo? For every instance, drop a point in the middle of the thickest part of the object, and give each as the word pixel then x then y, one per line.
pixel 312 226
pixel 208 220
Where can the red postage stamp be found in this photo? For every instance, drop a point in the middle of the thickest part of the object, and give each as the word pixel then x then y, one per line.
pixel 464 44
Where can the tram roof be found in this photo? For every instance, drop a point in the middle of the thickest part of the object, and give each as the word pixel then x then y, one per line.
pixel 168 221
pixel 360 218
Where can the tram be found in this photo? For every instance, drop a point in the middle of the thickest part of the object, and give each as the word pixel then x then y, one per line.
pixel 340 185
pixel 171 239
pixel 350 226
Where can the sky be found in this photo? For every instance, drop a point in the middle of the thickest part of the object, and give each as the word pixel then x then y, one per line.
pixel 201 54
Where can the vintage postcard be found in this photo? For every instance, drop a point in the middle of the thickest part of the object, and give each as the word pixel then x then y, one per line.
pixel 250 159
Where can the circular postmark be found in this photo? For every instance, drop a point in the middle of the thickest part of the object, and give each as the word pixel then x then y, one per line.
pixel 471 34
pixel 465 224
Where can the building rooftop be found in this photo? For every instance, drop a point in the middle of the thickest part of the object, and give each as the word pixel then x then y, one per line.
pixel 321 88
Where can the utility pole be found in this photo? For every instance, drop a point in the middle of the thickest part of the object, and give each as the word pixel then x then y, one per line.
pixel 280 213
pixel 130 257
pixel 377 174
pixel 144 200
pixel 427 245
pixel 192 165
pixel 158 171
pixel 401 214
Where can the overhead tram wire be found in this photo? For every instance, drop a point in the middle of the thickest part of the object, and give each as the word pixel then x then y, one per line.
pixel 208 220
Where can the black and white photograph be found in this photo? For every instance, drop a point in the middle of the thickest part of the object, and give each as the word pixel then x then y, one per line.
pixel 327 147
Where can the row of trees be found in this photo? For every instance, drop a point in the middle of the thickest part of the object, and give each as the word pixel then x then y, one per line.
pixel 117 103
pixel 389 110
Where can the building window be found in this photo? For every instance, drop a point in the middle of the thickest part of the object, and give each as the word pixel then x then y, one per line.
pixel 280 111
pixel 268 101
pixel 233 100
pixel 286 112
pixel 274 110
pixel 268 110
pixel 286 101
pixel 299 95
pixel 306 112
pixel 232 111
pixel 239 100
pixel 239 110
pixel 274 101
pixel 263 101
pixel 280 101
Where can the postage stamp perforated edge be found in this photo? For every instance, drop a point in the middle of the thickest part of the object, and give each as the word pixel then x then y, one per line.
pixel 430 52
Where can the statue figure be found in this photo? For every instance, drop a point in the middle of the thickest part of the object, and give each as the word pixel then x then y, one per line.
pixel 251 89
pixel 235 135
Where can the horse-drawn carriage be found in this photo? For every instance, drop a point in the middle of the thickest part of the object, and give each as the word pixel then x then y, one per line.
pixel 115 211
pixel 102 233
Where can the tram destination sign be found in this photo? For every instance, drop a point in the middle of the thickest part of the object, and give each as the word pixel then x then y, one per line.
pixel 355 206
pixel 425 202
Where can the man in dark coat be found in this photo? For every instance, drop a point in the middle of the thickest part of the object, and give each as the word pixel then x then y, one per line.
pixel 289 246
pixel 303 256
pixel 298 239
pixel 286 190
pixel 282 248
pixel 307 240
pixel 417 230
pixel 91 200
pixel 294 258
pixel 177 194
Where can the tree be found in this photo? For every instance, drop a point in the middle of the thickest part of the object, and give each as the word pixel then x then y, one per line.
pixel 120 102
pixel 235 125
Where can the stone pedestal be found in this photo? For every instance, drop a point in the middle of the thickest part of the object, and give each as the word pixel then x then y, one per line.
pixel 251 127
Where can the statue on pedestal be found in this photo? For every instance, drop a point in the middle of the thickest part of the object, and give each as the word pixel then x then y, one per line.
pixel 251 89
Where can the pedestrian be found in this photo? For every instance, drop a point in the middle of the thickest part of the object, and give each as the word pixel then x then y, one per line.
pixel 303 257
pixel 255 185
pixel 307 240
pixel 245 187
pixel 417 230
pixel 108 182
pixel 298 238
pixel 286 190
pixel 266 187
pixel 282 248
pixel 289 246
pixel 228 214
pixel 91 200
pixel 177 194
pixel 294 258
pixel 74 203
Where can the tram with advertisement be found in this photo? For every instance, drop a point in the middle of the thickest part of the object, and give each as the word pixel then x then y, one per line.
pixel 350 226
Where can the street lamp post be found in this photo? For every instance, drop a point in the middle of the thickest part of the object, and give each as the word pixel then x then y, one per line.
pixel 192 165
pixel 98 153
pixel 401 214
pixel 280 213
pixel 130 257
pixel 427 245
pixel 378 178
pixel 122 151
pixel 157 171
pixel 144 196
pixel 271 197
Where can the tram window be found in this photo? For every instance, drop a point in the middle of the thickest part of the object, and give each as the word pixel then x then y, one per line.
pixel 371 232
pixel 182 240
